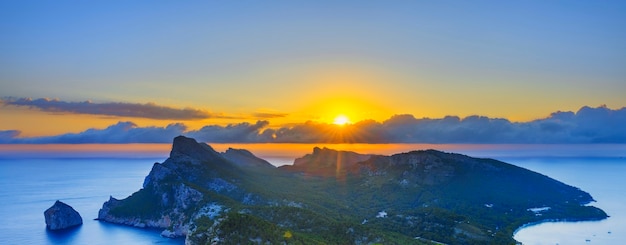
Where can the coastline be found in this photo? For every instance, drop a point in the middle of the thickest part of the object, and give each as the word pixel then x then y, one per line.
pixel 602 178
pixel 559 220
pixel 531 224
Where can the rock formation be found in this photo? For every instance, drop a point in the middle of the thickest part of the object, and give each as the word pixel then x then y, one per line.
pixel 340 197
pixel 61 216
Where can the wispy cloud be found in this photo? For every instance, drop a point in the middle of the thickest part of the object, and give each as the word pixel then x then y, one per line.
pixel 587 125
pixel 120 109
pixel 268 115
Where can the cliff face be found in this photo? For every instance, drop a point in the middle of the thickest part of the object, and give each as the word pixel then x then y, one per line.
pixel 62 216
pixel 176 191
pixel 342 197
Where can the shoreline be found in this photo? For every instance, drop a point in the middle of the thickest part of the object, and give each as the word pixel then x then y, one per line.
pixel 531 224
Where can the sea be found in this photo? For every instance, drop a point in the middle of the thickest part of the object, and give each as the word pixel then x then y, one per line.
pixel 33 177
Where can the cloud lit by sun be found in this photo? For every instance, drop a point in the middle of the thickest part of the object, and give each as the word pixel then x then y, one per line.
pixel 341 120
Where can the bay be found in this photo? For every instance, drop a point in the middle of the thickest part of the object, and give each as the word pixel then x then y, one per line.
pixel 603 178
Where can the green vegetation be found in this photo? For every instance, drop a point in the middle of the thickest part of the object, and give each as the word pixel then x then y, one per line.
pixel 419 197
pixel 141 204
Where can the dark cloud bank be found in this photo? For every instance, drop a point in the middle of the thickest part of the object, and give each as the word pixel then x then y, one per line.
pixel 587 125
pixel 120 109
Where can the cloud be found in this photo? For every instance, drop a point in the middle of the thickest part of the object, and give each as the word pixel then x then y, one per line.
pixel 268 115
pixel 122 132
pixel 402 129
pixel 450 129
pixel 587 125
pixel 148 110
pixel 242 132
pixel 7 136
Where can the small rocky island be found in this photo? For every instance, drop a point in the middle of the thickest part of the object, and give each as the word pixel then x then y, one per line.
pixel 62 216
pixel 338 197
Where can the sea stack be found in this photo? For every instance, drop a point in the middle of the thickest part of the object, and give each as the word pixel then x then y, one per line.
pixel 61 216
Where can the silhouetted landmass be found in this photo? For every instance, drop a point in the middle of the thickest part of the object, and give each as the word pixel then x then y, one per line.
pixel 338 197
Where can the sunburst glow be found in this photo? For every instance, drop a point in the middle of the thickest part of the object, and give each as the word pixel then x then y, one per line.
pixel 341 120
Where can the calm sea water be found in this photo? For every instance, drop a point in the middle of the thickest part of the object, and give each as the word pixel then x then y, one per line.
pixel 28 186
pixel 604 179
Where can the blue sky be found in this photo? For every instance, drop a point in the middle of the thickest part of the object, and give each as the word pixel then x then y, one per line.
pixel 519 60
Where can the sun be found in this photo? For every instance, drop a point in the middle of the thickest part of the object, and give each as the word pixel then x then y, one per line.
pixel 341 120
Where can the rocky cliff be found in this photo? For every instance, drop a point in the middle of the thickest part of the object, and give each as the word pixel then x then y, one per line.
pixel 343 197
pixel 61 216
pixel 177 191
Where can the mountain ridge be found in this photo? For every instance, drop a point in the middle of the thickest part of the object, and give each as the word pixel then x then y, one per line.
pixel 343 197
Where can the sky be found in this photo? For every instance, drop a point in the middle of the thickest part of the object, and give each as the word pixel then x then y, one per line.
pixel 282 71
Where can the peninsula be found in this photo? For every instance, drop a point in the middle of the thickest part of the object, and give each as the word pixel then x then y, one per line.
pixel 340 197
